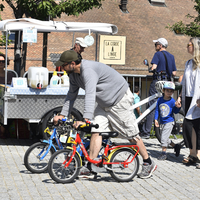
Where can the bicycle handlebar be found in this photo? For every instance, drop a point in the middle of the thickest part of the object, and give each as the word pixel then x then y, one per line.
pixel 89 125
pixel 71 122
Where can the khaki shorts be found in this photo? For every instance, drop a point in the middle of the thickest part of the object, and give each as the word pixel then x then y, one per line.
pixel 117 118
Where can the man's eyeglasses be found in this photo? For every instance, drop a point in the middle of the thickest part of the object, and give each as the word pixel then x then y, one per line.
pixel 157 44
pixel 65 64
pixel 188 45
pixel 2 61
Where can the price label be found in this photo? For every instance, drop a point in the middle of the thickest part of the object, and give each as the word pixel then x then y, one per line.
pixel 63 138
pixel 19 82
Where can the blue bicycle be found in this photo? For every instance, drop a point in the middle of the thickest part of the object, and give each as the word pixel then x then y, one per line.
pixel 37 156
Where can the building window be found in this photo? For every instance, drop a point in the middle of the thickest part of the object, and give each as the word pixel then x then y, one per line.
pixel 11 36
pixel 157 3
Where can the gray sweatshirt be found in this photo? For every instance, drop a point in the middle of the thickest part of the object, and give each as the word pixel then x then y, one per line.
pixel 102 84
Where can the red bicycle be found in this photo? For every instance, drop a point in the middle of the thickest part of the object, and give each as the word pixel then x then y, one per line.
pixel 120 160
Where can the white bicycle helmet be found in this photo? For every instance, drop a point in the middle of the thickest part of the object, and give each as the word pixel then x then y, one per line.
pixel 159 86
pixel 169 85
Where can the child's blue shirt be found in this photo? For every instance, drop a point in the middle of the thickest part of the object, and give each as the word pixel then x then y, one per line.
pixel 165 109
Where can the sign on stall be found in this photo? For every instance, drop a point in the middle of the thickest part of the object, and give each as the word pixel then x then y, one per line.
pixel 19 82
pixel 30 35
pixel 112 50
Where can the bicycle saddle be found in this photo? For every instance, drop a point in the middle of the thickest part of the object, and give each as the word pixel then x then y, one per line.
pixel 106 135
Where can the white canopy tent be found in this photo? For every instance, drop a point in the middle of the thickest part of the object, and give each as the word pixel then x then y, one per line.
pixel 56 26
pixel 53 26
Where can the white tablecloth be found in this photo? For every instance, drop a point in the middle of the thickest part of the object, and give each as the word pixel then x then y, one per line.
pixel 44 91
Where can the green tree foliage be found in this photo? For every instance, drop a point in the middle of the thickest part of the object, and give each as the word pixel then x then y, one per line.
pixel 3 40
pixel 193 28
pixel 43 9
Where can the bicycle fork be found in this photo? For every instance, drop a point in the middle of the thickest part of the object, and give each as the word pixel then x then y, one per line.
pixel 69 158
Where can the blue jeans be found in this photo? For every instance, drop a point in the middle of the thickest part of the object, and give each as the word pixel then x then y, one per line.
pixel 146 128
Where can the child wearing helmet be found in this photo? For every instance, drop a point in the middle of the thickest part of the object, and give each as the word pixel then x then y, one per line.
pixel 165 108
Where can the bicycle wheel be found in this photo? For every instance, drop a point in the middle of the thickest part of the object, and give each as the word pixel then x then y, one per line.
pixel 32 157
pixel 56 168
pixel 121 173
pixel 48 119
pixel 179 118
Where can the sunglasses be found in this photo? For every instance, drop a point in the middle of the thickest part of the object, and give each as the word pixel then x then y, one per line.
pixel 188 45
pixel 2 61
pixel 65 64
pixel 156 44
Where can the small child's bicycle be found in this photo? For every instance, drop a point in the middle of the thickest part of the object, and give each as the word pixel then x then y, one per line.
pixel 120 160
pixel 38 155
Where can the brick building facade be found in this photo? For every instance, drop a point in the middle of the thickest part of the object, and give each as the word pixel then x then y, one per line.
pixel 142 24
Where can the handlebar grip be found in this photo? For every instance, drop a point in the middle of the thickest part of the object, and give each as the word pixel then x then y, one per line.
pixel 83 125
pixel 152 71
pixel 90 125
pixel 95 125
pixel 60 121
pixel 64 119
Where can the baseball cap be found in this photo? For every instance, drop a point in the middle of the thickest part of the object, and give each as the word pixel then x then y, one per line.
pixel 169 85
pixel 81 42
pixel 67 57
pixel 162 41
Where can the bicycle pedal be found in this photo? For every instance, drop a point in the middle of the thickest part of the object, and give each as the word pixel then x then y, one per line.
pixel 105 157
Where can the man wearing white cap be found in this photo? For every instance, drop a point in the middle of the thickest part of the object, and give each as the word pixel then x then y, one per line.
pixel 162 61
pixel 79 46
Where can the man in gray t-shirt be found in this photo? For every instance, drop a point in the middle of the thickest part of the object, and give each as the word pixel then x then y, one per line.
pixel 104 85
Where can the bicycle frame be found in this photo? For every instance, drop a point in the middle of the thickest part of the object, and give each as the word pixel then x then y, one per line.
pixel 50 142
pixel 105 159
pixel 60 146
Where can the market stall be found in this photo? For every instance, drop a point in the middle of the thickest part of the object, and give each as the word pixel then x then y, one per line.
pixel 32 104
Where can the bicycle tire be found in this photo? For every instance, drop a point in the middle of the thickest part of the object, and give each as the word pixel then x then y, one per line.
pixel 158 132
pixel 120 173
pixel 75 114
pixel 33 162
pixel 56 168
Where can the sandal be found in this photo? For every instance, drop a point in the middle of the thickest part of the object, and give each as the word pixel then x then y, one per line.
pixel 190 160
pixel 198 163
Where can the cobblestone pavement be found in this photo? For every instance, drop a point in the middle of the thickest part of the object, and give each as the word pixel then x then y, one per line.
pixel 171 180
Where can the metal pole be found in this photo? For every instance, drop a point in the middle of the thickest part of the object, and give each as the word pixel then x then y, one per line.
pixel 6 60
pixel 73 40
pixel 133 84
pixel 146 91
pixel 96 46
pixel 140 84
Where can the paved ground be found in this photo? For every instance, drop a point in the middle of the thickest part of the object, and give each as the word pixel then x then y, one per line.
pixel 171 180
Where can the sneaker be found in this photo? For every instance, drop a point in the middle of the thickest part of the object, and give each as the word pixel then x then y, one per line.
pixel 162 157
pixel 145 136
pixel 177 149
pixel 86 173
pixel 147 170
